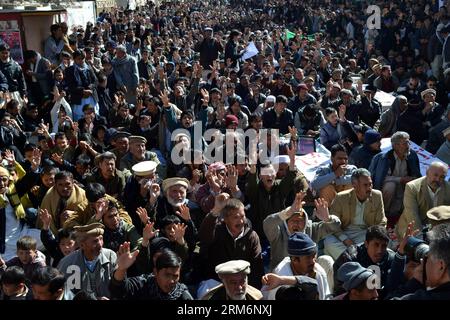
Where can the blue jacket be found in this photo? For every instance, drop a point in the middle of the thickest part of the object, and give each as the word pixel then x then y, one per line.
pixel 362 156
pixel 384 161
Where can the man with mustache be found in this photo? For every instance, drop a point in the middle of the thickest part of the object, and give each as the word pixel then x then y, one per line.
pixel 422 194
pixel 358 209
pixel 234 283
pixel 301 261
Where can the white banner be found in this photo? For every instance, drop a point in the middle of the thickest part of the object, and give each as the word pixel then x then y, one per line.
pixel 308 164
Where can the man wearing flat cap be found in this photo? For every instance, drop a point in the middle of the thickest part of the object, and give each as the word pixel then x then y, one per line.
pixel 431 110
pixel 443 152
pixel 209 49
pixel 301 260
pixel 175 202
pixel 370 108
pixel 357 282
pixel 93 264
pixel 439 215
pixel 233 275
pixel 126 73
pixel 137 153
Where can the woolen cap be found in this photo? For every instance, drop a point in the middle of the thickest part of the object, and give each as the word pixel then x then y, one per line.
pixel 352 274
pixel 300 244
pixel 233 267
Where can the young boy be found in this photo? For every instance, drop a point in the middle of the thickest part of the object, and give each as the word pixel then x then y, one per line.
pixel 28 257
pixel 13 285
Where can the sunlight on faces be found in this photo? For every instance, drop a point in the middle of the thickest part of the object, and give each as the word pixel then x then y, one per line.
pixel 436 271
pixel 376 249
pixel 43 292
pixel 363 187
pixel 26 256
pixel 4 183
pixel 235 285
pixel 268 175
pixel 10 289
pixel 235 221
pixel 67 246
pixel 176 195
pixel 296 223
pixel 107 167
pixel 91 246
pixel 167 278
pixel 333 118
pixel 303 265
pixel 137 149
pixel 111 219
pixel 64 187
pixel 436 176
pixel 339 159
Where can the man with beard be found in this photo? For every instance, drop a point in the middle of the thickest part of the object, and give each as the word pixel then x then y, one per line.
pixel 279 226
pixel 107 175
pixel 174 202
pixel 137 153
pixel 62 200
pixel 362 156
pixel 358 209
pixel 422 194
pixel 234 277
pixel 301 261
pixel 95 263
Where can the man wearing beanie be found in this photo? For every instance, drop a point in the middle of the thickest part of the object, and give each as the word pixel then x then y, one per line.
pixel 358 282
pixel 362 156
pixel 302 253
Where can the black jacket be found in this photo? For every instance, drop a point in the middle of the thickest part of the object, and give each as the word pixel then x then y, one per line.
pixel 14 76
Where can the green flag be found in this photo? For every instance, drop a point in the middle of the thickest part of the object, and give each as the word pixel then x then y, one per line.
pixel 289 34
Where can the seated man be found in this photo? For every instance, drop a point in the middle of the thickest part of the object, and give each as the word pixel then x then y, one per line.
pixel 335 177
pixel 357 282
pixel 279 226
pixel 421 195
pixel 372 253
pixel 62 200
pixel 392 170
pixel 302 253
pixel 233 275
pixel 94 263
pixel 358 209
pixel 230 239
pixel 162 284
pixel 362 156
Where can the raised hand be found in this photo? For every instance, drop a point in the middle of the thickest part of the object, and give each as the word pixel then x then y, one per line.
pixel 164 96
pixel 100 208
pixel 232 178
pixel 205 96
pixel 410 232
pixel 179 232
pixel 58 158
pixel 293 132
pixel 298 203
pixel 9 156
pixel 219 202
pixel 322 211
pixel 142 214
pixel 183 212
pixel 155 191
pixel 149 232
pixel 213 180
pixel 125 258
pixel 46 218
pixel 36 159
pixel 291 151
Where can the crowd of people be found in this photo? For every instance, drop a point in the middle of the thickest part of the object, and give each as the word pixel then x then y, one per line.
pixel 125 172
